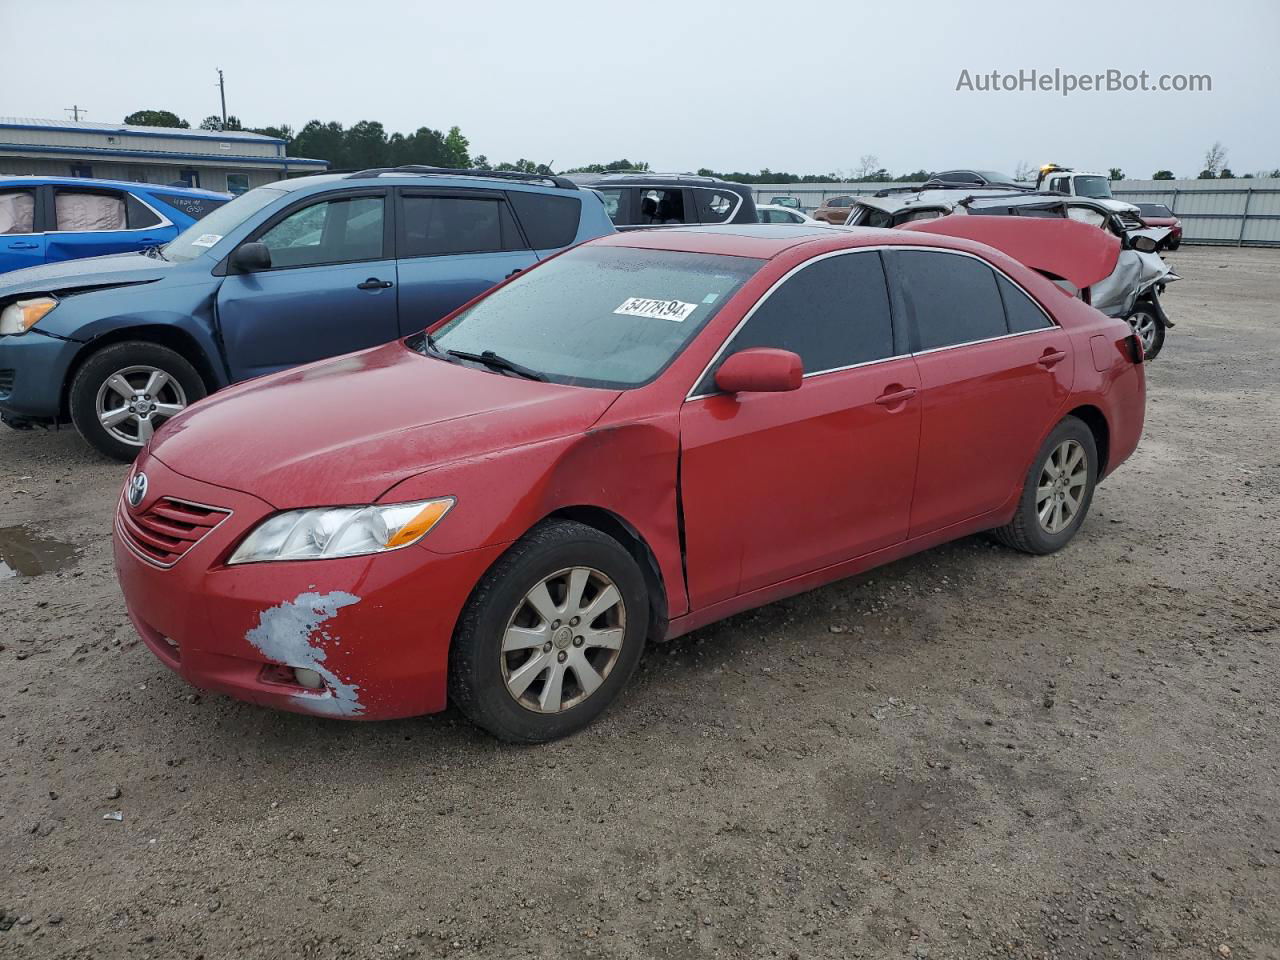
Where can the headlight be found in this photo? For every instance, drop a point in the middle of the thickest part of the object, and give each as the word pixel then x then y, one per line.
pixel 325 532
pixel 22 316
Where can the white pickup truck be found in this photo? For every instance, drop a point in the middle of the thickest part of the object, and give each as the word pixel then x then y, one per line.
pixel 1091 184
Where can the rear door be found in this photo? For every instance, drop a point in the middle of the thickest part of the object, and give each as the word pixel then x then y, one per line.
pixel 452 246
pixel 94 221
pixel 21 240
pixel 775 485
pixel 994 373
pixel 330 289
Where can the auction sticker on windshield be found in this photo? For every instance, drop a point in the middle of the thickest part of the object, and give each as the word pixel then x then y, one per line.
pixel 206 240
pixel 677 311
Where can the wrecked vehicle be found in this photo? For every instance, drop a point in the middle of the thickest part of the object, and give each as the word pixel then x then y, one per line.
pixel 1132 289
pixel 639 199
pixel 646 434
pixel 282 275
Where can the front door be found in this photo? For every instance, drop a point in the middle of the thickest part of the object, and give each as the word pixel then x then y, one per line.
pixel 453 247
pixel 776 485
pixel 994 373
pixel 331 287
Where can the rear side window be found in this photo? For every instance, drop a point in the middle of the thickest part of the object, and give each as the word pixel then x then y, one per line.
pixel 193 207
pixel 833 313
pixel 715 206
pixel 1021 312
pixel 138 214
pixel 953 298
pixel 17 211
pixel 440 226
pixel 549 221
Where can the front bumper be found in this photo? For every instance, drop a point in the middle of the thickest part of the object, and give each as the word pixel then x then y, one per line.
pixel 33 368
pixel 376 628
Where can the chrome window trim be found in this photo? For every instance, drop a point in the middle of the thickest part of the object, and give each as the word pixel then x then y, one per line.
pixel 1053 324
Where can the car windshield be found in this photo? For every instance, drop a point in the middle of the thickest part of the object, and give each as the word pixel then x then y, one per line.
pixel 865 215
pixel 203 234
pixel 994 176
pixel 600 316
pixel 1154 210
pixel 1097 187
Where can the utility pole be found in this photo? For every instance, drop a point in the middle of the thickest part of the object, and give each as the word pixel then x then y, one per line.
pixel 75 110
pixel 222 91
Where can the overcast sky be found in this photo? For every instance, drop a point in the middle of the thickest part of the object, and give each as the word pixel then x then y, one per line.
pixel 799 86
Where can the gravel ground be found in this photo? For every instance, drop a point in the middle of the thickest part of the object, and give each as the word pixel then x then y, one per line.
pixel 968 753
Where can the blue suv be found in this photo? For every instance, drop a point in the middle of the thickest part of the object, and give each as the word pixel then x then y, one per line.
pixel 48 219
pixel 282 275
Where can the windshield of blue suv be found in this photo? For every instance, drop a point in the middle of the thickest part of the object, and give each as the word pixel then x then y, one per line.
pixel 203 234
pixel 600 316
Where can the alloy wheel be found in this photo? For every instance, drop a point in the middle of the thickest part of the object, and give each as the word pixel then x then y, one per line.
pixel 1060 490
pixel 1144 325
pixel 563 639
pixel 135 400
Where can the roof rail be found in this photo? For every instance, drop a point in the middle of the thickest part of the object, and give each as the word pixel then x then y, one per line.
pixel 561 182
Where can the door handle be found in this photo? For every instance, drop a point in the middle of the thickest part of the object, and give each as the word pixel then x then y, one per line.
pixel 895 395
pixel 373 283
pixel 1050 357
pixel 23 246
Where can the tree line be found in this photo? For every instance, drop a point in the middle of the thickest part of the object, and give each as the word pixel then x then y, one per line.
pixel 368 144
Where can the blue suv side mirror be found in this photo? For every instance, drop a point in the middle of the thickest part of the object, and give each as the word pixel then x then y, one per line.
pixel 251 257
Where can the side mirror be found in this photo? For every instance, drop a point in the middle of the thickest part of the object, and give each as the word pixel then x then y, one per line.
pixel 1143 244
pixel 251 257
pixel 760 370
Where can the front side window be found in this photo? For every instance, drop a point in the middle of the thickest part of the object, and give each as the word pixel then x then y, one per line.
pixel 204 234
pixel 435 226
pixel 17 211
pixel 953 298
pixel 600 316
pixel 82 211
pixel 343 230
pixel 833 313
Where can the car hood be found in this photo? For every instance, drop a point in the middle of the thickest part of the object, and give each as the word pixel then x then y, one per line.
pixel 115 270
pixel 345 431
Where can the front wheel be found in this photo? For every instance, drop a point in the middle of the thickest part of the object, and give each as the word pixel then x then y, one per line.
pixel 1144 322
pixel 551 634
pixel 125 390
pixel 1057 492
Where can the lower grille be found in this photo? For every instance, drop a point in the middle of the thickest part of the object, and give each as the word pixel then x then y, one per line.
pixel 166 530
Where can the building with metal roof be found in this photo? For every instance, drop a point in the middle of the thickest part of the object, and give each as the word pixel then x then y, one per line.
pixel 230 160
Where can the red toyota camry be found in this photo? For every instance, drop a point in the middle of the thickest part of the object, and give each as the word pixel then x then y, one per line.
pixel 640 436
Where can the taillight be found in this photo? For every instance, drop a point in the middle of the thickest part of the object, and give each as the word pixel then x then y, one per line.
pixel 1136 353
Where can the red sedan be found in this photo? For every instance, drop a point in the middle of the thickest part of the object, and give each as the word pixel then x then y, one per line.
pixel 645 434
pixel 1158 215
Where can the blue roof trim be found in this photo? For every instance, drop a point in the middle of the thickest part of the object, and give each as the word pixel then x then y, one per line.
pixel 109 153
pixel 134 132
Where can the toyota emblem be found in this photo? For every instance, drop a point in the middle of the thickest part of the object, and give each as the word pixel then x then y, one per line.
pixel 137 489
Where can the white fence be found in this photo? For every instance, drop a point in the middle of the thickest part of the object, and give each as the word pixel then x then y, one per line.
pixel 1240 212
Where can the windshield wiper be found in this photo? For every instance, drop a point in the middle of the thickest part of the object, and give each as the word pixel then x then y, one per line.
pixel 496 362
pixel 154 251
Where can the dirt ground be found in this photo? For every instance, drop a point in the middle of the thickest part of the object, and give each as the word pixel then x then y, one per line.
pixel 969 753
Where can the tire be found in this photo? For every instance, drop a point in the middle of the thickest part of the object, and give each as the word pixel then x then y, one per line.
pixel 1027 532
pixel 485 681
pixel 1174 244
pixel 1144 322
pixel 100 403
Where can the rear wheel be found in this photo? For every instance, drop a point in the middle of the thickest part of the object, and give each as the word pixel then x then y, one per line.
pixel 1057 491
pixel 1144 322
pixel 124 391
pixel 550 635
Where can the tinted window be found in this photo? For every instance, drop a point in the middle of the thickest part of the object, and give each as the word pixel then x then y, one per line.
pixel 661 206
pixel 833 313
pixel 138 214
pixel 17 211
pixel 1020 311
pixel 953 298
pixel 715 206
pixel 332 231
pixel 600 316
pixel 194 207
pixel 436 226
pixel 549 221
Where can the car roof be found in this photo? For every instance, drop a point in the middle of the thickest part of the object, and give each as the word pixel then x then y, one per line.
pixel 761 241
pixel 25 180
pixel 655 180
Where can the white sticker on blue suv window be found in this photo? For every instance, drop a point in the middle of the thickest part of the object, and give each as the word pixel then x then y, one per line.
pixel 677 311
pixel 206 240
